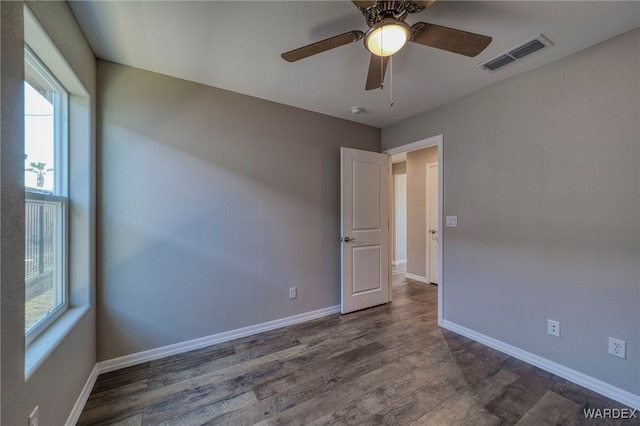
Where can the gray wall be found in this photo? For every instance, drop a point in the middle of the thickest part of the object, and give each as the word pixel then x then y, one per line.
pixel 212 205
pixel 417 209
pixel 12 293
pixel 542 171
pixel 56 384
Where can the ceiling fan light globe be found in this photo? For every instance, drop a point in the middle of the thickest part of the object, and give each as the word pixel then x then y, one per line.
pixel 387 37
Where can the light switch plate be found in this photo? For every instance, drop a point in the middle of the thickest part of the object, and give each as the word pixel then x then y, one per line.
pixel 452 221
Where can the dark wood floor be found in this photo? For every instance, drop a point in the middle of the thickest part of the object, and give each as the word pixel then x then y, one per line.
pixel 389 365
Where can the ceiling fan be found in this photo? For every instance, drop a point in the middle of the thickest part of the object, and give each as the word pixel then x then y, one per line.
pixel 388 33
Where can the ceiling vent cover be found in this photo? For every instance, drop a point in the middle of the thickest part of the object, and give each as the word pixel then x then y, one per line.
pixel 518 52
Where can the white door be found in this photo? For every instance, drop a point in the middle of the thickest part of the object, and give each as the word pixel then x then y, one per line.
pixel 433 234
pixel 365 181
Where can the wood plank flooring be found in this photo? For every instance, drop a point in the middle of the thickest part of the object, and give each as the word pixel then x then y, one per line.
pixel 389 365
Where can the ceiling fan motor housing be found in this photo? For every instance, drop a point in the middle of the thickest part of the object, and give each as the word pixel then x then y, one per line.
pixel 397 10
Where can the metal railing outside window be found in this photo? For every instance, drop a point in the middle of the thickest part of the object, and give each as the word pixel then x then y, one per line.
pixel 39 233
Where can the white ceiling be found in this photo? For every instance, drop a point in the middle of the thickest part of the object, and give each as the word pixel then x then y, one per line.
pixel 236 45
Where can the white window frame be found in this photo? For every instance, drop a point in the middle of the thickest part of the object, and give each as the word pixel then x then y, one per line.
pixel 38 73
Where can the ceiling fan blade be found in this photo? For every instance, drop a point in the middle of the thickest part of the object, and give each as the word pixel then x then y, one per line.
pixel 377 69
pixel 322 46
pixel 363 4
pixel 423 4
pixel 452 40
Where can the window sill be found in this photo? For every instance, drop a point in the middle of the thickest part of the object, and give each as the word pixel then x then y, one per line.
pixel 38 350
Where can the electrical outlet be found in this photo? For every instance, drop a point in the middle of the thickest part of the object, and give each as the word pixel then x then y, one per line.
pixel 617 348
pixel 33 418
pixel 293 292
pixel 553 328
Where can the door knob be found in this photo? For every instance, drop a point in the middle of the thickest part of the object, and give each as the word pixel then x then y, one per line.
pixel 347 239
pixel 433 231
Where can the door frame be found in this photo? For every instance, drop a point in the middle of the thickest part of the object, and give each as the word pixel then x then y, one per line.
pixel 428 220
pixel 438 141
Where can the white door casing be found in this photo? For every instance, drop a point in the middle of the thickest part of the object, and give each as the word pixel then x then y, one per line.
pixel 365 181
pixel 433 230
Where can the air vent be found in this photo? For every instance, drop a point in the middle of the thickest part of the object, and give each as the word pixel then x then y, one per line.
pixel 498 62
pixel 526 49
pixel 518 52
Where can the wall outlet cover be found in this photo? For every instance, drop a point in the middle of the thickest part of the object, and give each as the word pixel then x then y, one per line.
pixel 617 347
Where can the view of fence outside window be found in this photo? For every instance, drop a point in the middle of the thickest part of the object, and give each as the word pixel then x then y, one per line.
pixel 45 117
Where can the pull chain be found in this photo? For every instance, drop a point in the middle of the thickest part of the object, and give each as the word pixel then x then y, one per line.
pixel 391 80
pixel 382 67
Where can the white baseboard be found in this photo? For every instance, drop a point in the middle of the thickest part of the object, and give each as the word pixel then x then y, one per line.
pixel 398 262
pixel 82 399
pixel 416 278
pixel 153 354
pixel 624 397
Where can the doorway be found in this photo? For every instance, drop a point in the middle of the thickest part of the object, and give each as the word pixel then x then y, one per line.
pixel 424 237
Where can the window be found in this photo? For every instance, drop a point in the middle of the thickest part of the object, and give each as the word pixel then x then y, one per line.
pixel 46 197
